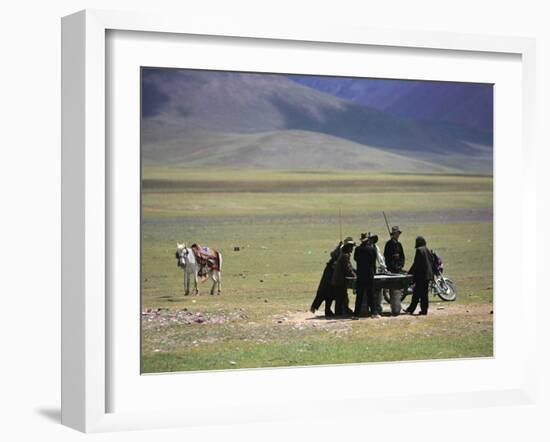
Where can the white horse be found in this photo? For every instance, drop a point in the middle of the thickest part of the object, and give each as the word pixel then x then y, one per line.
pixel 188 262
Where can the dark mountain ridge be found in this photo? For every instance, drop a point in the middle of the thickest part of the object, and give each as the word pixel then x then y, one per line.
pixel 463 104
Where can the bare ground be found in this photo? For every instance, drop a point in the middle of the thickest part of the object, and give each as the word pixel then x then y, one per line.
pixel 437 310
pixel 174 330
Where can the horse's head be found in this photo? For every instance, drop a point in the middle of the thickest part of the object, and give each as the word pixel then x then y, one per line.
pixel 182 253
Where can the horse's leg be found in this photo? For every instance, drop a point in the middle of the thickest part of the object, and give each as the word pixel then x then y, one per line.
pixel 215 275
pixel 212 275
pixel 219 275
pixel 186 281
pixel 196 278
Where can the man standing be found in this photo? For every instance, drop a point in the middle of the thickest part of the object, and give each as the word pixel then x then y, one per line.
pixel 342 270
pixel 380 260
pixel 365 257
pixel 380 268
pixel 324 290
pixel 422 272
pixel 395 261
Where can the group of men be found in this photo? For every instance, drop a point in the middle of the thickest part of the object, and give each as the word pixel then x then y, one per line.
pixel 369 261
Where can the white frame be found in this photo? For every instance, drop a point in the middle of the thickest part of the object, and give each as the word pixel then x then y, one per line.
pixel 84 199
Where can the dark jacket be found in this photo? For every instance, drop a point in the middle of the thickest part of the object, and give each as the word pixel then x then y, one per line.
pixel 422 266
pixel 394 256
pixel 324 290
pixel 335 254
pixel 365 257
pixel 342 269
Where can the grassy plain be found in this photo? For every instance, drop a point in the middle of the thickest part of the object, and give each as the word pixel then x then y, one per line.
pixel 285 223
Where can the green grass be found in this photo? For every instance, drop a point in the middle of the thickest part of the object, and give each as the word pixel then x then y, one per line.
pixel 320 351
pixel 285 224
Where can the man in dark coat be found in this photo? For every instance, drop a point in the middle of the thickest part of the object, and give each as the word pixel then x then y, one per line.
pixel 365 256
pixel 324 290
pixel 393 252
pixel 342 270
pixel 395 261
pixel 422 272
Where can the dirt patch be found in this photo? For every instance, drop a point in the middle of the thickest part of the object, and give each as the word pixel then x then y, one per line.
pixel 164 317
pixel 437 309
pixel 300 320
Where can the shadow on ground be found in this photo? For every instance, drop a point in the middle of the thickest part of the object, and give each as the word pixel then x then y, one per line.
pixel 51 414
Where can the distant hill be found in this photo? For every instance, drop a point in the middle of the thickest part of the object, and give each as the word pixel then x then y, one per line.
pixel 462 104
pixel 282 149
pixel 259 120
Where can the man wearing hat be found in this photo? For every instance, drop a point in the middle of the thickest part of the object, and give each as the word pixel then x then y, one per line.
pixel 365 257
pixel 395 261
pixel 325 292
pixel 342 270
pixel 422 272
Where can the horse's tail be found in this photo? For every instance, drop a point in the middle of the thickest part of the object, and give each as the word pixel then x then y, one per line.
pixel 220 260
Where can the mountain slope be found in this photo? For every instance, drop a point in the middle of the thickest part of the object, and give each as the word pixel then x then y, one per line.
pixel 464 104
pixel 282 149
pixel 263 116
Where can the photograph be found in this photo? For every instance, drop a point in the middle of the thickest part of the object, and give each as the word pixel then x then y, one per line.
pixel 293 219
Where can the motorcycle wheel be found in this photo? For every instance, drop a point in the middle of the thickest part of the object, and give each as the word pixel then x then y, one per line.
pixel 445 289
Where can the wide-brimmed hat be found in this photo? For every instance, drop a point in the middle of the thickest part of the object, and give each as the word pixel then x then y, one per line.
pixel 395 229
pixel 364 237
pixel 349 240
pixel 373 237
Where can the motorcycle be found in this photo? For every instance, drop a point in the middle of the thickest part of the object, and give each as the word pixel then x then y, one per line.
pixel 439 286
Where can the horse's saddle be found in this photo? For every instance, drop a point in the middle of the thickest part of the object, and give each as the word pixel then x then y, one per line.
pixel 207 256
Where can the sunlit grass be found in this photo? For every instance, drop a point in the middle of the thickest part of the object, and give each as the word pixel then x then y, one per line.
pixel 284 239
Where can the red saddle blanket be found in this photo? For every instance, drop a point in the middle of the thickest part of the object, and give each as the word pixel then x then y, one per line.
pixel 207 256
